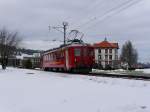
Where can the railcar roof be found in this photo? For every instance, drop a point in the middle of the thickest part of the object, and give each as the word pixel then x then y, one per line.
pixel 66 46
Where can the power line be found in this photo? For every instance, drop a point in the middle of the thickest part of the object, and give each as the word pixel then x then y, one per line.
pixel 91 6
pixel 106 13
pixel 118 11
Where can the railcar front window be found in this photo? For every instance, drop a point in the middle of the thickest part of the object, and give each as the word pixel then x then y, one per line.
pixel 91 53
pixel 77 52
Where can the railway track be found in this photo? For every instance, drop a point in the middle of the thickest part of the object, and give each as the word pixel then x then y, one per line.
pixel 145 77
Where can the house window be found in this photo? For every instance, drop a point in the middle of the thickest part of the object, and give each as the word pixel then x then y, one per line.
pixel 99 62
pixel 106 62
pixel 106 57
pixel 110 57
pixel 110 62
pixel 106 50
pixel 99 57
pixel 110 50
pixel 99 50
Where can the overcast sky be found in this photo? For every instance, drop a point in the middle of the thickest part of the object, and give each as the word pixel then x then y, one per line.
pixel 118 20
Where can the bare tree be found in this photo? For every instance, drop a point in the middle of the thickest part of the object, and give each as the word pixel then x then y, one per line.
pixel 129 54
pixel 9 41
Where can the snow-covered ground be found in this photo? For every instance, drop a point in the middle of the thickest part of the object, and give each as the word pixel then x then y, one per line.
pixel 144 70
pixel 121 71
pixel 38 91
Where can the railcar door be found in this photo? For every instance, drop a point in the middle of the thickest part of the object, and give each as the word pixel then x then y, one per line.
pixel 67 59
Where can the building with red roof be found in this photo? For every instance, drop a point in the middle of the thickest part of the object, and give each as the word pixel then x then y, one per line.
pixel 106 54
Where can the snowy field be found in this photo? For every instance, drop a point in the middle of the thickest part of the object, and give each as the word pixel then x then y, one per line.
pixel 38 91
pixel 122 72
pixel 144 70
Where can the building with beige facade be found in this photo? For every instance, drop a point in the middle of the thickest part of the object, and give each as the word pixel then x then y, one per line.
pixel 106 54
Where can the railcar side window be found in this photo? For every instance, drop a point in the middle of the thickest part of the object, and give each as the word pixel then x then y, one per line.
pixel 61 54
pixel 85 52
pixel 44 58
pixel 77 52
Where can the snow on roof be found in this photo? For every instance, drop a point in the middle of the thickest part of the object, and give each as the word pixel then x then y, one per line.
pixel 24 55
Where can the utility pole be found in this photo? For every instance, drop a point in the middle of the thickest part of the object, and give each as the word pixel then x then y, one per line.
pixel 65 24
pixel 64 27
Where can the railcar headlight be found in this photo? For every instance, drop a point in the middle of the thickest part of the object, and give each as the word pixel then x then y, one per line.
pixel 75 60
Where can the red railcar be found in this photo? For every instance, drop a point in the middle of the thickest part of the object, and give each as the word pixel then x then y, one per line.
pixel 75 57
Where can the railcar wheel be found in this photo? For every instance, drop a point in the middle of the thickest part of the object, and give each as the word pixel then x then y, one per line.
pixel 50 69
pixel 60 69
pixel 45 69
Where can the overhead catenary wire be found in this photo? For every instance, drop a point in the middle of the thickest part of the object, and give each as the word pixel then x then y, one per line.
pixel 115 13
pixel 90 7
pixel 108 11
pixel 108 14
pixel 111 11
